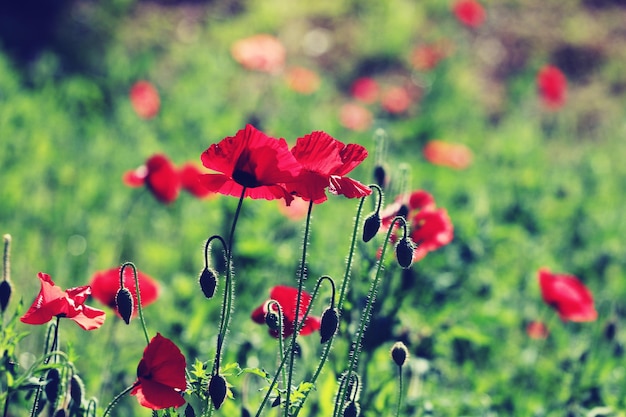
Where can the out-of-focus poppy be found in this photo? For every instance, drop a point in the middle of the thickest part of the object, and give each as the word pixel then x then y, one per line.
pixel 261 52
pixel 302 80
pixel 469 12
pixel 552 86
pixel 537 330
pixel 105 284
pixel 453 155
pixel 365 89
pixel 396 100
pixel 567 295
pixel 145 99
pixel 355 117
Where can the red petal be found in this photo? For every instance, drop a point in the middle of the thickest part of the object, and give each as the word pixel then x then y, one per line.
pixel 567 295
pixel 89 318
pixel 351 156
pixel 156 396
pixel 165 362
pixel 348 187
pixel 190 181
pixel 318 152
pixel 162 179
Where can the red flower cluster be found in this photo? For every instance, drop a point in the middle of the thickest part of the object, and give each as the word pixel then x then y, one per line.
pixel 52 301
pixel 164 180
pixel 469 12
pixel 145 100
pixel 453 155
pixel 286 297
pixel 267 169
pixel 430 227
pixel 105 284
pixel 552 86
pixel 567 295
pixel 160 375
pixel 261 52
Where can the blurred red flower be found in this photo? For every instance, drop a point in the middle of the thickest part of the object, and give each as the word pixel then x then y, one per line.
pixel 52 301
pixel 104 286
pixel 253 160
pixel 365 89
pixel 145 100
pixel 567 295
pixel 160 375
pixel 396 100
pixel 164 180
pixel 296 211
pixel 469 12
pixel 302 80
pixel 287 297
pixel 537 330
pixel 325 161
pixel 261 52
pixel 552 86
pixel 355 117
pixel 453 155
pixel 426 57
pixel 430 227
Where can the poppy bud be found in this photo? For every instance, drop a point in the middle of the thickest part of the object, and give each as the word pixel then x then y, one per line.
pixel 217 390
pixel 77 389
pixel 371 226
pixel 380 175
pixel 403 211
pixel 245 412
pixel 404 252
pixel 276 401
pixel 610 330
pixel 208 282
pixel 60 413
pixel 5 295
pixel 189 411
pixel 351 410
pixel 124 302
pixel 53 378
pixel 272 320
pixel 399 353
pixel 329 324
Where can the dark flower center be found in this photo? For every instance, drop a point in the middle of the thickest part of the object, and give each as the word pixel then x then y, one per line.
pixel 246 179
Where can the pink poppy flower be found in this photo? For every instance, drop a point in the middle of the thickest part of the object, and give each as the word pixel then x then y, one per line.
pixel 426 57
pixel 261 52
pixel 537 330
pixel 355 117
pixel 396 100
pixel 567 295
pixel 302 80
pixel 52 302
pixel 287 297
pixel 453 155
pixel 145 100
pixel 365 89
pixel 105 284
pixel 469 12
pixel 552 86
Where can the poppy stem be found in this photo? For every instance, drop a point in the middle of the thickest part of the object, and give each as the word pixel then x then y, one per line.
pixel 118 397
pixel 297 323
pixel 281 329
pixel 355 350
pixel 229 287
pixel 399 391
pixel 48 348
pixel 139 308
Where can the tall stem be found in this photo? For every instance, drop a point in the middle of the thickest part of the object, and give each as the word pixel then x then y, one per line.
pixel 49 347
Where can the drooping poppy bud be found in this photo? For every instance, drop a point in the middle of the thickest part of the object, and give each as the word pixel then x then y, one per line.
pixel 62 412
pixel 329 324
pixel 5 295
pixel 53 379
pixel 352 409
pixel 208 282
pixel 217 390
pixel 245 412
pixel 404 252
pixel 380 175
pixel 371 226
pixel 77 389
pixel 276 401
pixel 610 330
pixel 189 411
pixel 399 353
pixel 124 302
pixel 272 319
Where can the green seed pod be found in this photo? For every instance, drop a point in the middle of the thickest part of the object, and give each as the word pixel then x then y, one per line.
pixel 352 410
pixel 371 226
pixel 124 302
pixel 399 353
pixel 217 390
pixel 404 252
pixel 5 295
pixel 329 324
pixel 208 282
pixel 53 379
pixel 77 389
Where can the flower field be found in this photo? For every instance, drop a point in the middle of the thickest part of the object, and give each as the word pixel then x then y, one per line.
pixel 246 208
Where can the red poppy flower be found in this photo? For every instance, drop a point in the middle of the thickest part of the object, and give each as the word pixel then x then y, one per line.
pixel 537 330
pixel 396 100
pixel 164 180
pixel 365 89
pixel 453 155
pixel 287 297
pixel 567 295
pixel 52 301
pixel 160 375
pixel 105 284
pixel 302 80
pixel 469 12
pixel 325 161
pixel 552 86
pixel 145 100
pixel 426 57
pixel 355 117
pixel 259 53
pixel 253 160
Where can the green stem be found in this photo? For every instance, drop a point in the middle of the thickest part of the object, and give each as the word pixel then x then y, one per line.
pixel 297 324
pixel 47 350
pixel 399 391
pixel 365 318
pixel 139 307
pixel 117 398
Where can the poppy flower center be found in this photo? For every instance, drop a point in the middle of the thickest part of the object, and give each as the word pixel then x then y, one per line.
pixel 246 179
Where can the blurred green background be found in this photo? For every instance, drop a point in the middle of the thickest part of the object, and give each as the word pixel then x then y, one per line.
pixel 546 188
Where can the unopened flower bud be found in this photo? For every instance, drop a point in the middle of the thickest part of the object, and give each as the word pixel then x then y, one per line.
pixel 62 412
pixel 217 390
pixel 399 353
pixel 5 295
pixel 404 252
pixel 189 411
pixel 380 176
pixel 329 324
pixel 208 282
pixel 53 378
pixel 371 226
pixel 351 410
pixel 610 330
pixel 124 302
pixel 77 389
pixel 245 412
pixel 276 401
pixel 272 320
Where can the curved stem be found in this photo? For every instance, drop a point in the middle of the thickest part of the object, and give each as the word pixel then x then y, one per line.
pixel 139 307
pixel 118 397
pixel 365 318
pixel 281 344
